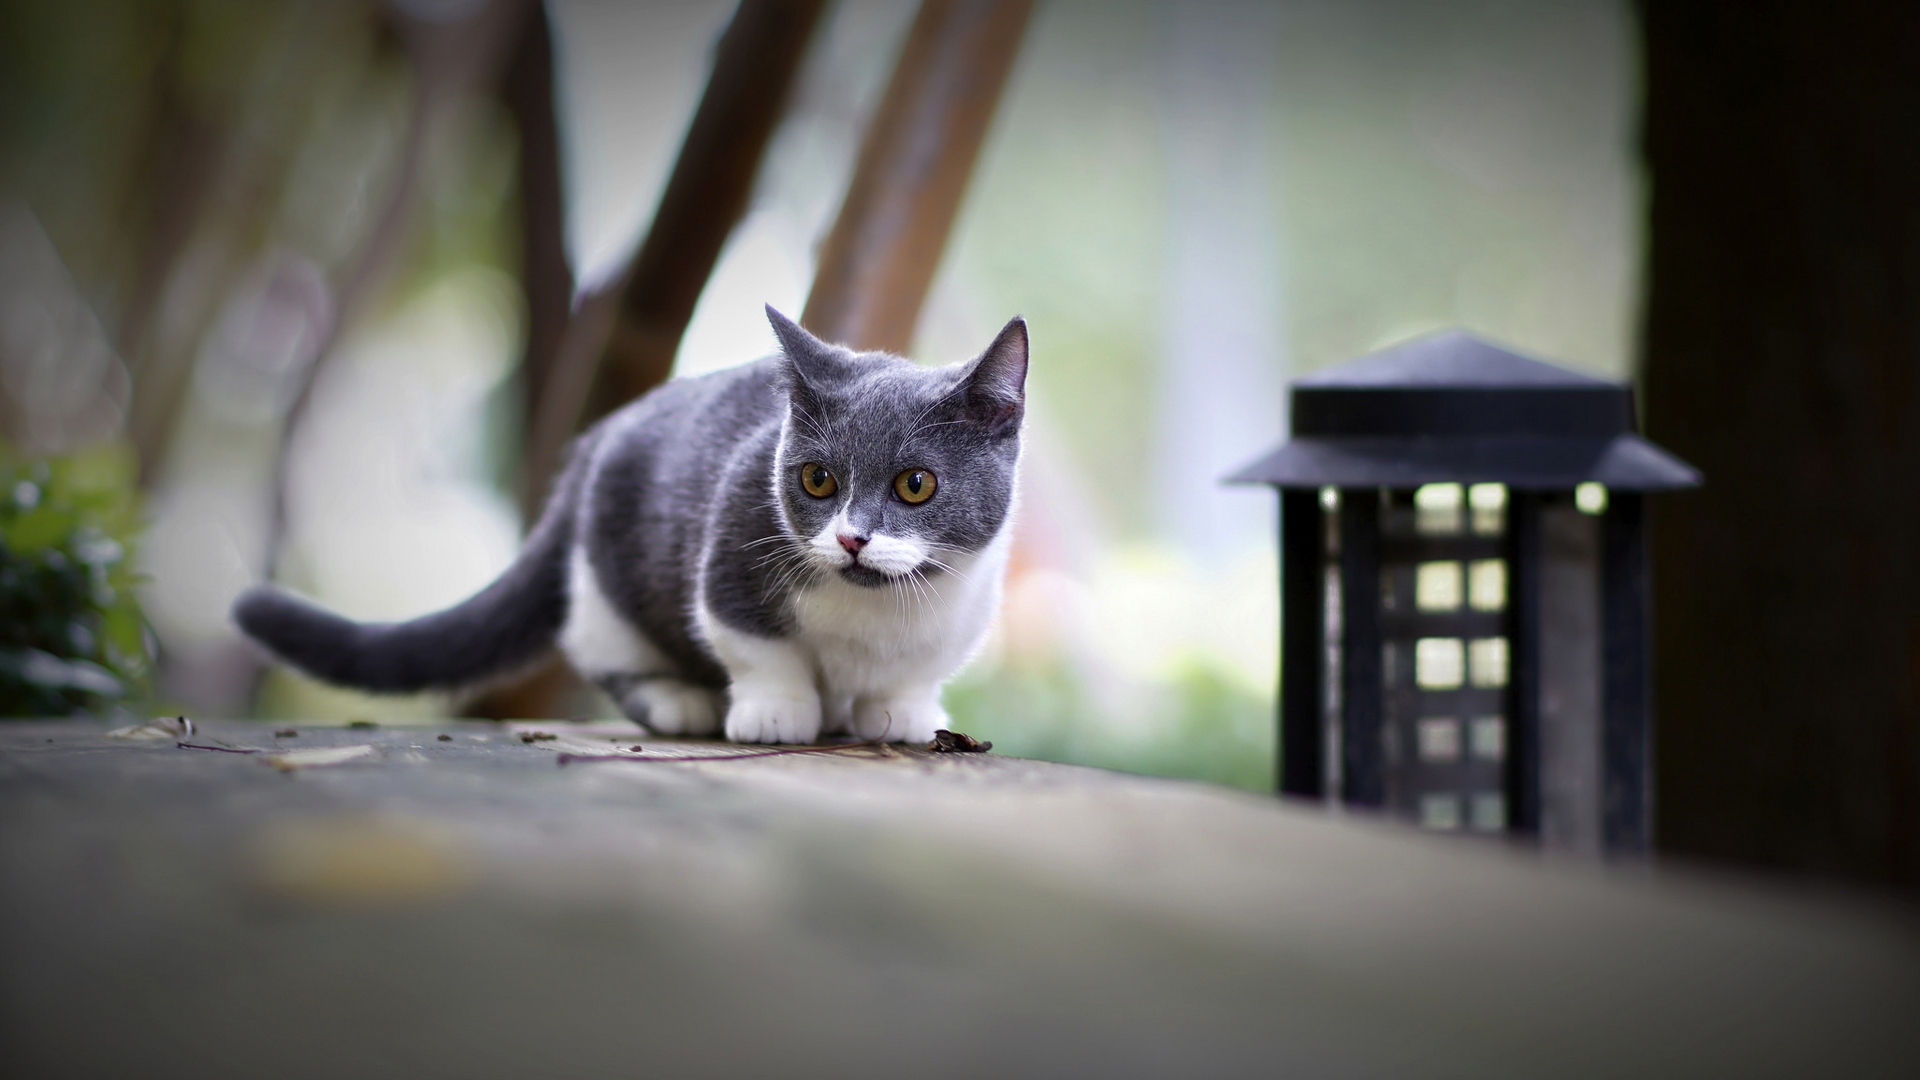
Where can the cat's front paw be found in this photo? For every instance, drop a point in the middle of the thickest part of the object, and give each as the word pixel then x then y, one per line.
pixel 902 719
pixel 672 707
pixel 757 718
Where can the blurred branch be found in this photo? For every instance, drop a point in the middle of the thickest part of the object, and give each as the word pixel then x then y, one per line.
pixel 209 199
pixel 450 59
pixel 914 163
pixel 622 339
pixel 184 154
pixel 545 275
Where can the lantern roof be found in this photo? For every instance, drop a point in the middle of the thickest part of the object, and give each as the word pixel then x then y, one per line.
pixel 1449 407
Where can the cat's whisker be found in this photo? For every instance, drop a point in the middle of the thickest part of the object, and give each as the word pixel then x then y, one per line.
pixel 935 589
pixel 923 587
pixel 964 577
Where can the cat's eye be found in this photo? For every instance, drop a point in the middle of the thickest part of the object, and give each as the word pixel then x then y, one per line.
pixel 914 486
pixel 817 480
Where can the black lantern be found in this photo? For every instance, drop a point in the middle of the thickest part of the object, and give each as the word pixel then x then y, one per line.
pixel 1464 591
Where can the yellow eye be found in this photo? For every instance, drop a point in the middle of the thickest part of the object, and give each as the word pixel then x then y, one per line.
pixel 817 480
pixel 914 486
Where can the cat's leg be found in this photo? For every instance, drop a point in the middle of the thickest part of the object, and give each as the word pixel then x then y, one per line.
pixel 773 698
pixel 665 704
pixel 910 714
pixel 610 652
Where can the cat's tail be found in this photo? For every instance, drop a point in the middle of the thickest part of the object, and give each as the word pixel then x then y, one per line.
pixel 504 626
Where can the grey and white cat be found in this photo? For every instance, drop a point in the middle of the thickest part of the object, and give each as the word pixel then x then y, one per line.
pixel 811 543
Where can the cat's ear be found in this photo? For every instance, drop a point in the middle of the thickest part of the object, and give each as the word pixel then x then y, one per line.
pixel 996 381
pixel 813 364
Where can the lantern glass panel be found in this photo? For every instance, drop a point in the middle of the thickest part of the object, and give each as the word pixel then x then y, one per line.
pixel 1440 739
pixel 1439 586
pixel 1439 663
pixel 1438 509
pixel 1489 813
pixel 1487 661
pixel 1489 503
pixel 1488 738
pixel 1487 584
pixel 1440 811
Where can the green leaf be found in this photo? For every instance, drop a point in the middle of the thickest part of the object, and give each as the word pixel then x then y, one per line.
pixel 39 528
pixel 124 630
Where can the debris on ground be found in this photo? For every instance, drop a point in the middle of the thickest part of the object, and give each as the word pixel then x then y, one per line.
pixel 160 727
pixel 954 742
pixel 537 736
pixel 318 756
pixel 444 737
pixel 286 733
pixel 572 750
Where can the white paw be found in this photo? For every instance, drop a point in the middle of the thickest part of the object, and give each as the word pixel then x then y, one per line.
pixel 773 719
pixel 903 719
pixel 672 707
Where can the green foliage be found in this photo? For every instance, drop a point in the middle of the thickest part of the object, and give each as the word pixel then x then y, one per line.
pixel 1199 725
pixel 72 639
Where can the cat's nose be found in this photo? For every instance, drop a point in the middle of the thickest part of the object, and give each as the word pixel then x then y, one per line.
pixel 853 544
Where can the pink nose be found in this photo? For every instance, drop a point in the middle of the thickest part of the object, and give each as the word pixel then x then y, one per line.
pixel 853 544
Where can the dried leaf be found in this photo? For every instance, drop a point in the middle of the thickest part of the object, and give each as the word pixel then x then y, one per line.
pixel 160 727
pixel 953 742
pixel 318 756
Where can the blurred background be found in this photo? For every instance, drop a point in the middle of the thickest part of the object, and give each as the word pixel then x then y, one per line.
pixel 329 283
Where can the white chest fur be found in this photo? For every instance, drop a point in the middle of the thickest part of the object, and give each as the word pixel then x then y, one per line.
pixel 917 631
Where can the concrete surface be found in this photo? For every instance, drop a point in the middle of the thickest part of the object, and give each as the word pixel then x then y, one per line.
pixel 468 907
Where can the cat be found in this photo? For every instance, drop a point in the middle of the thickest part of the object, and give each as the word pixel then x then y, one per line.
pixel 809 544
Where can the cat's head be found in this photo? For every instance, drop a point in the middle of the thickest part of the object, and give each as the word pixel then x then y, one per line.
pixel 886 468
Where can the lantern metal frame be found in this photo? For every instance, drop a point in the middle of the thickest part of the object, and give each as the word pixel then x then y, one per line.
pixel 1451 408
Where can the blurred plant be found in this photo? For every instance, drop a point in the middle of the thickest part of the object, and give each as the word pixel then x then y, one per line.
pixel 72 639
pixel 1198 724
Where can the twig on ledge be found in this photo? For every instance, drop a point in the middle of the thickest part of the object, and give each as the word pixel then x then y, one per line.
pixel 220 749
pixel 565 758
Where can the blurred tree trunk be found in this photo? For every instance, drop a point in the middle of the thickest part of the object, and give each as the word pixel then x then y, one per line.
pixel 544 272
pixel 624 337
pixel 1782 356
pixel 547 279
pixel 914 164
